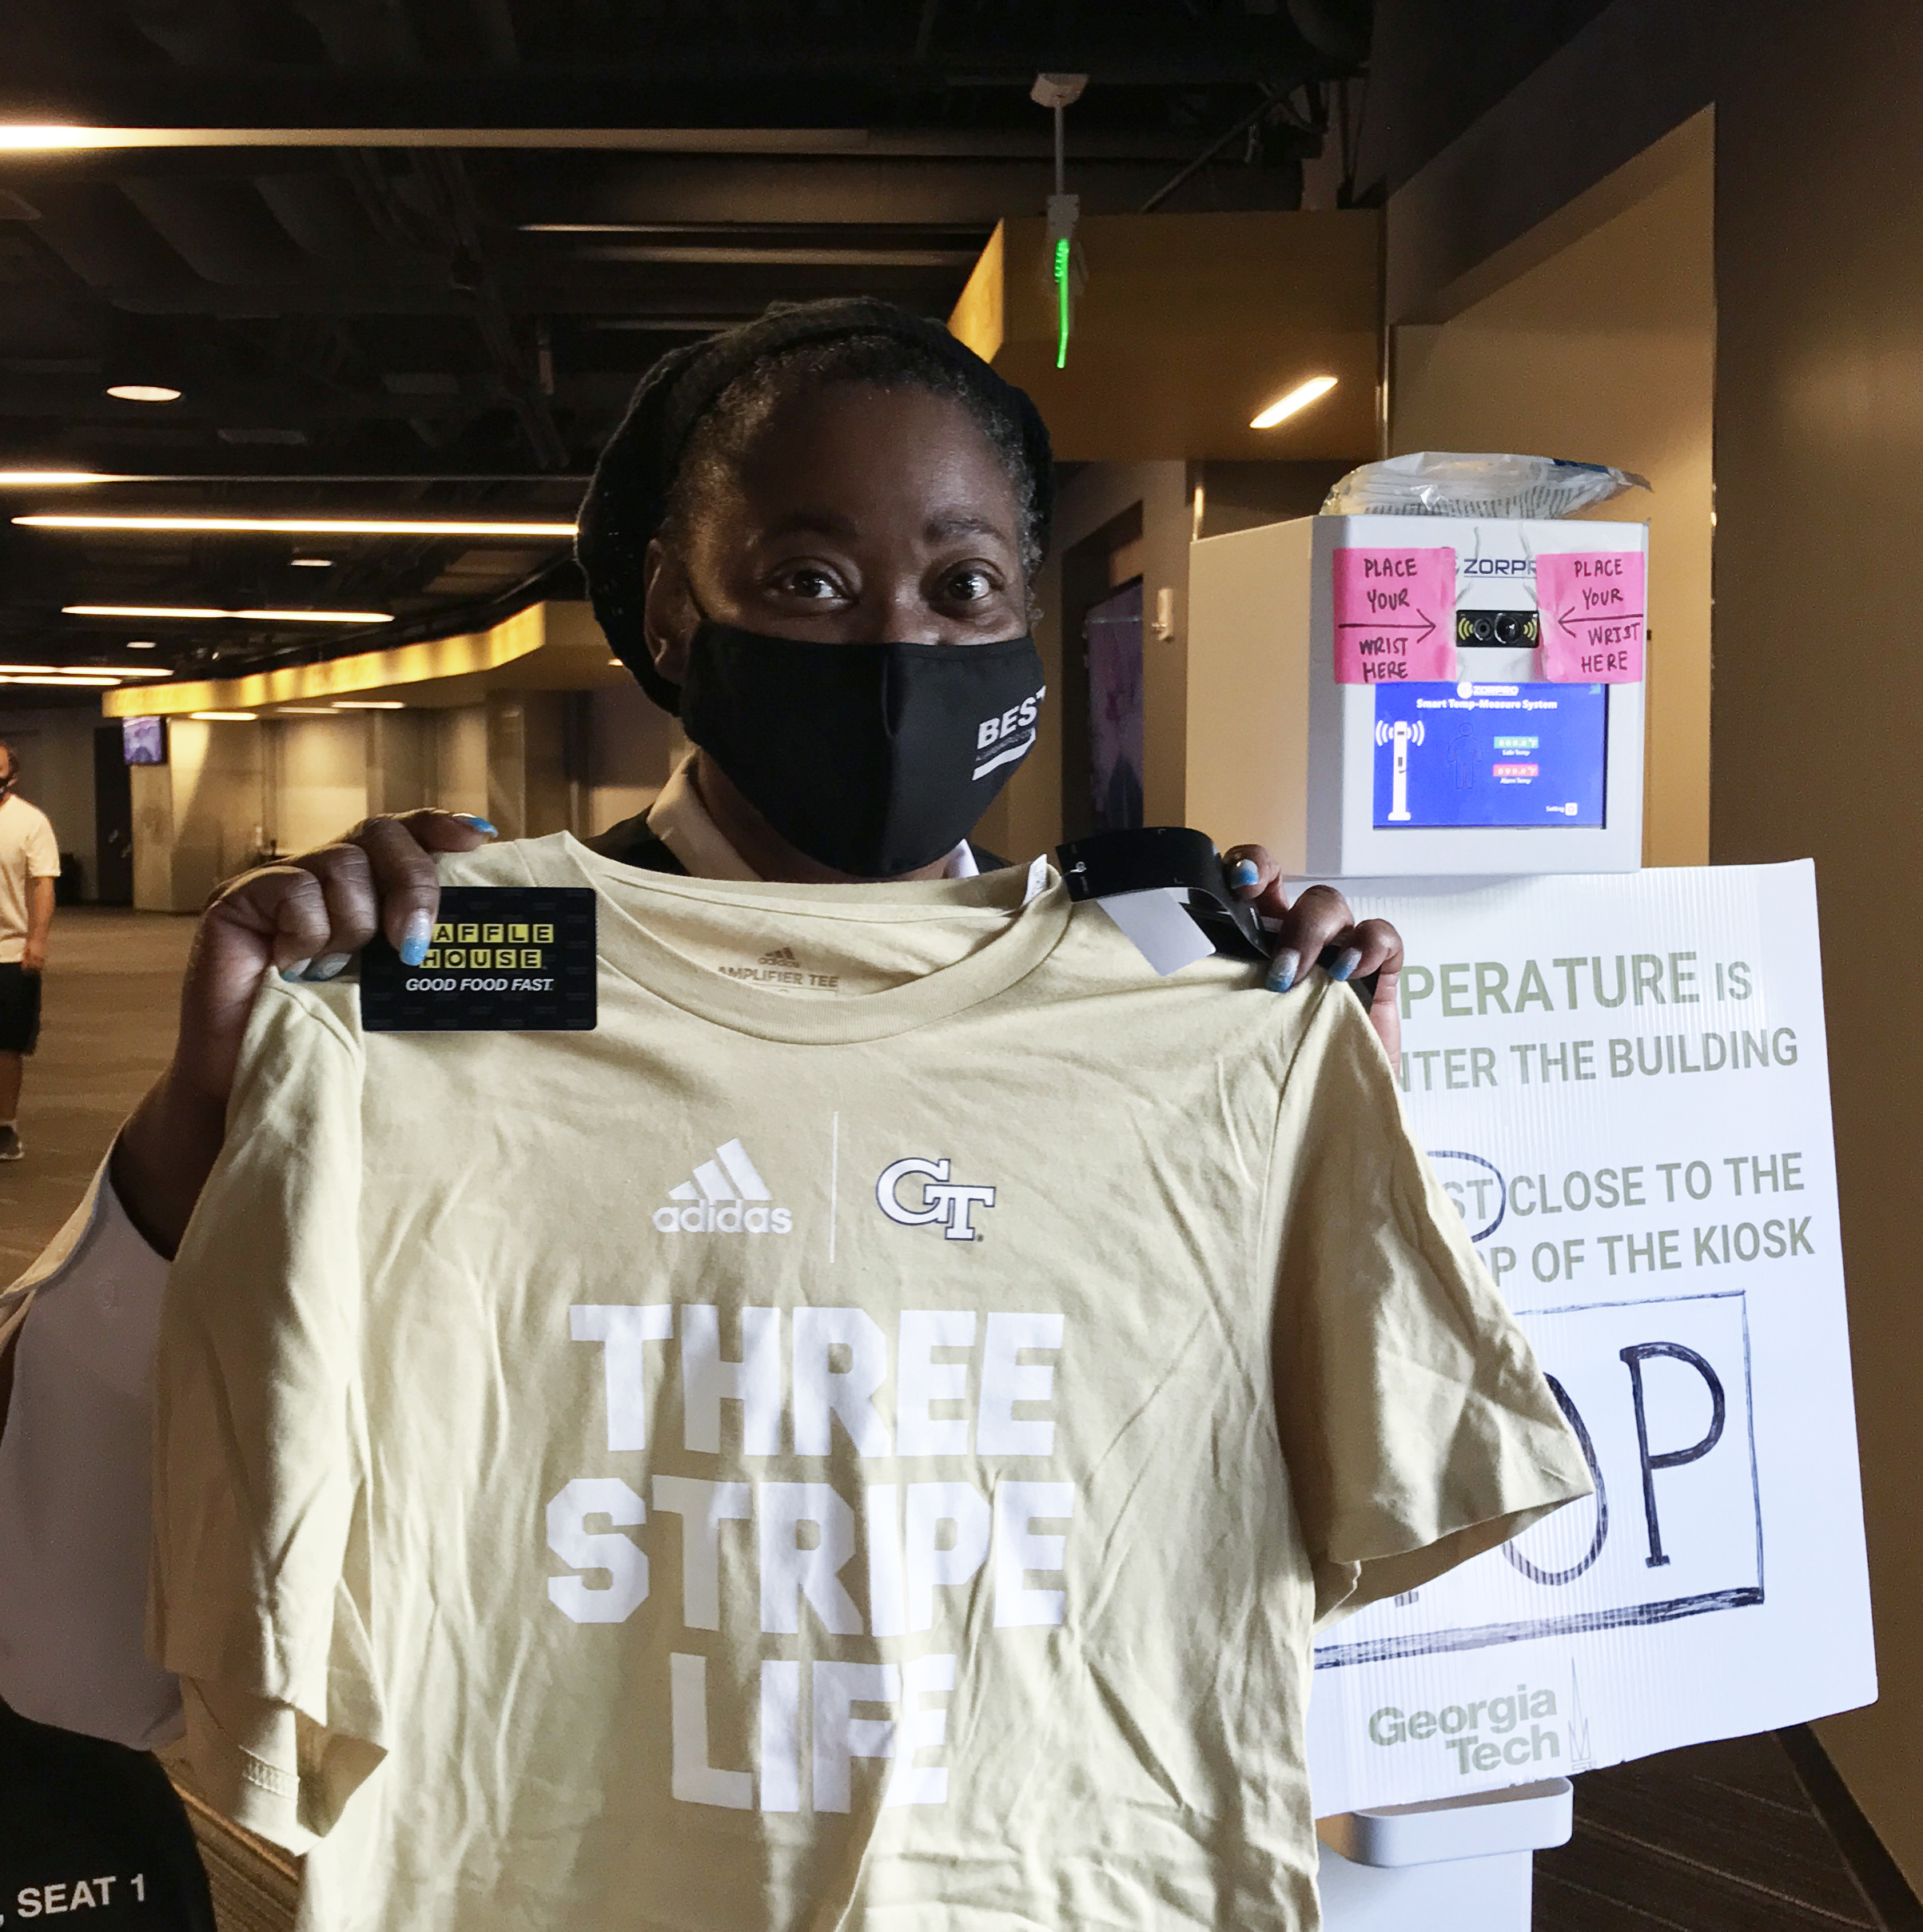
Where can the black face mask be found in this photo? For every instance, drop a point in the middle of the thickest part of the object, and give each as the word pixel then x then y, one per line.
pixel 873 758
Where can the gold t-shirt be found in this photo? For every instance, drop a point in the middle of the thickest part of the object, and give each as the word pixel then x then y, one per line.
pixel 860 1440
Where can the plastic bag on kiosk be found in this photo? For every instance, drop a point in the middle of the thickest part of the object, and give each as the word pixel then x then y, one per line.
pixel 1450 483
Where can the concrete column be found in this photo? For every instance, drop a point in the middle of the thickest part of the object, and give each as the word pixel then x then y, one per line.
pixel 528 778
pixel 198 818
pixel 399 760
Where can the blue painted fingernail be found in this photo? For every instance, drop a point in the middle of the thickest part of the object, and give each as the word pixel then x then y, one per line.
pixel 479 824
pixel 1282 970
pixel 1345 963
pixel 1243 872
pixel 330 966
pixel 416 937
pixel 296 968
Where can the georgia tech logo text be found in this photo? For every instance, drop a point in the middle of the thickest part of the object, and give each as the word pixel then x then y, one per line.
pixel 949 1203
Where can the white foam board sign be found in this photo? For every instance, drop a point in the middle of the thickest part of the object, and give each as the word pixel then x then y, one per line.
pixel 1622 1082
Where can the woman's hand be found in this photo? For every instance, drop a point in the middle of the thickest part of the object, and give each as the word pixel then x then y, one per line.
pixel 307 916
pixel 1319 918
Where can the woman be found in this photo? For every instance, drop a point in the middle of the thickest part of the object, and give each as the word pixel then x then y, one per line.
pixel 912 504
pixel 827 518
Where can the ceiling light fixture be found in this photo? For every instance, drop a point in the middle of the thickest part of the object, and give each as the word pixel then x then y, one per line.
pixel 58 681
pixel 311 563
pixel 27 669
pixel 143 643
pixel 305 711
pixel 305 526
pixel 20 137
pixel 38 137
pixel 133 670
pixel 143 393
pixel 225 717
pixel 193 611
pixel 1298 398
pixel 50 478
pixel 370 704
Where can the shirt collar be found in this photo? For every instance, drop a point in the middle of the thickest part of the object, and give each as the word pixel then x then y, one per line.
pixel 681 822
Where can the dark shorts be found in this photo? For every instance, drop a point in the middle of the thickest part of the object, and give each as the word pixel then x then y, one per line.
pixel 19 1008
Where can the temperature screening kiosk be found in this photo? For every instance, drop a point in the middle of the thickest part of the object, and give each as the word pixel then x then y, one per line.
pixel 1414 698
pixel 1421 696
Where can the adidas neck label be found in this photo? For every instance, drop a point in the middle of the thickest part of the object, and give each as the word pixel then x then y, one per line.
pixel 726 1196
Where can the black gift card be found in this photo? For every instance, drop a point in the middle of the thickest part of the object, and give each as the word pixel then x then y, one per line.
pixel 505 959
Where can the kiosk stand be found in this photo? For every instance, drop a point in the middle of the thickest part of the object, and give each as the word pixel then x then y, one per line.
pixel 1434 696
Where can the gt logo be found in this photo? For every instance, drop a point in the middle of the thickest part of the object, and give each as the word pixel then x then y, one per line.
pixel 949 1203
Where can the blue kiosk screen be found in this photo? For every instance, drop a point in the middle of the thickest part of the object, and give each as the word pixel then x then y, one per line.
pixel 1494 754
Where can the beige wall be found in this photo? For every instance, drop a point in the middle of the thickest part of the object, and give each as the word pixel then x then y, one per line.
pixel 1818 704
pixel 301 782
pixel 632 745
pixel 459 777
pixel 316 777
pixel 199 817
pixel 56 749
pixel 1607 352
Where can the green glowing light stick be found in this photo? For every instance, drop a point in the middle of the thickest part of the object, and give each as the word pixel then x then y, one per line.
pixel 1062 290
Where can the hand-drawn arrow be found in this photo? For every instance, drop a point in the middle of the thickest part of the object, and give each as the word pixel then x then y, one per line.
pixel 1421 617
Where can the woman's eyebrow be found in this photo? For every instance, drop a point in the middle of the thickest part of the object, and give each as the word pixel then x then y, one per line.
pixel 962 523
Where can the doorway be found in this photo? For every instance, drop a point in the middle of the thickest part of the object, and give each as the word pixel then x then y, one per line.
pixel 112 819
pixel 1102 673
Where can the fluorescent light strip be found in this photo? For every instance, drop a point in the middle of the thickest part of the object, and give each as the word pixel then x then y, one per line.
pixel 58 683
pixel 305 526
pixel 225 717
pixel 42 138
pixel 370 704
pixel 189 611
pixel 53 479
pixel 1285 406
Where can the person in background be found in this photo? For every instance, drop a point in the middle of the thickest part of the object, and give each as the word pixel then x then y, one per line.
pixel 29 864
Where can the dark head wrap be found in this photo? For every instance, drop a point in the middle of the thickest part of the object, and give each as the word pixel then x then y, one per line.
pixel 627 501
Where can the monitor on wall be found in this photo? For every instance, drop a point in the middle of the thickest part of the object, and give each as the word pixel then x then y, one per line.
pixel 144 740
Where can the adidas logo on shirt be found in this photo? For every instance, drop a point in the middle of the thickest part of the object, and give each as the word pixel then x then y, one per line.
pixel 728 1196
pixel 782 956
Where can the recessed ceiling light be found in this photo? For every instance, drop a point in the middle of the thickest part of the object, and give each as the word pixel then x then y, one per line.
pixel 305 526
pixel 133 670
pixel 142 644
pixel 26 669
pixel 193 611
pixel 50 478
pixel 143 393
pixel 305 711
pixel 225 717
pixel 1298 398
pixel 311 563
pixel 370 704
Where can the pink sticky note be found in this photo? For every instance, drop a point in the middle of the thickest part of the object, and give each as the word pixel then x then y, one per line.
pixel 1395 617
pixel 1593 607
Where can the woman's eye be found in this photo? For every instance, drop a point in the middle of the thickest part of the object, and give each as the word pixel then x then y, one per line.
pixel 815 585
pixel 969 586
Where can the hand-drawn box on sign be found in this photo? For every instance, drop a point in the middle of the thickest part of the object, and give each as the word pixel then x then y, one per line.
pixel 1675 1527
pixel 1657 1201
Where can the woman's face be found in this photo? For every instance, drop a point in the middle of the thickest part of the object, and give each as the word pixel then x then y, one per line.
pixel 858 515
